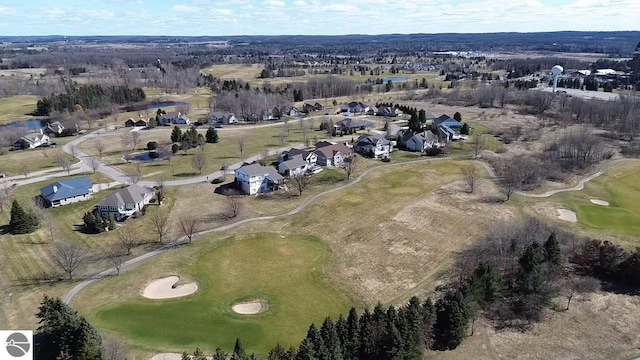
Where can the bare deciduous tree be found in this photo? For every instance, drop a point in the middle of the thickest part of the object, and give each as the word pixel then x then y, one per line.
pixel 128 238
pixel 241 141
pixel 283 137
pixel 100 148
pixel 66 165
pixel 25 170
pixel 73 149
pixel 189 226
pixel 199 162
pixel 135 140
pixel 115 254
pixel 68 256
pixel 574 285
pixel 301 182
pixel 94 164
pixel 471 174
pixel 159 219
pixel 478 143
pixel 350 165
pixel 114 348
pixel 233 204
pixel 509 182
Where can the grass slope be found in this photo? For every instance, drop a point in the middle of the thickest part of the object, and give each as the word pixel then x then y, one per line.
pixel 285 272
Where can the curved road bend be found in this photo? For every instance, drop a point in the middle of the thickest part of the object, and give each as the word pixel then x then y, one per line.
pixel 128 264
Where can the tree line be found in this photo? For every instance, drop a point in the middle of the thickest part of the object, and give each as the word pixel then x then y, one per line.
pixel 92 96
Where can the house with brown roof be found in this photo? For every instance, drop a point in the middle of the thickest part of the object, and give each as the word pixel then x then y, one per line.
pixel 333 155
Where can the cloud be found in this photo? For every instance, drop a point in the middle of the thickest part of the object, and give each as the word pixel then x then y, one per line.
pixel 97 14
pixel 224 12
pixel 273 3
pixel 185 8
pixel 5 10
pixel 53 13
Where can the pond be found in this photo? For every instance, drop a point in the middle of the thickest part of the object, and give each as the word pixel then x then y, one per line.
pixel 394 79
pixel 31 125
pixel 165 104
pixel 144 157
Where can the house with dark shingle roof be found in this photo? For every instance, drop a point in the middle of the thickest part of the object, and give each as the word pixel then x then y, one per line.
pixel 125 202
pixel 66 192
pixel 355 107
pixel 373 146
pixel 256 179
pixel 32 141
pixel 294 166
pixel 350 125
pixel 412 141
pixel 448 121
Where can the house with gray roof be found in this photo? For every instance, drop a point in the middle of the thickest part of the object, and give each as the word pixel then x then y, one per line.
pixel 55 128
pixel 125 202
pixel 374 146
pixel 419 142
pixel 32 141
pixel 218 117
pixel 355 107
pixel 256 179
pixel 294 166
pixel 66 192
pixel 350 125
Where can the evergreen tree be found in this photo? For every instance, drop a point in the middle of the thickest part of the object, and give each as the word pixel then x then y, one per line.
pixel 198 355
pixel 238 352
pixel 319 347
pixel 552 251
pixel 277 353
pixel 176 134
pixel 63 331
pixel 220 355
pixel 331 339
pixel 451 321
pixel 422 116
pixel 21 222
pixel 211 135
pixel 532 279
pixel 306 351
pixel 486 283
pixel 465 129
pixel 352 346
pixel 457 116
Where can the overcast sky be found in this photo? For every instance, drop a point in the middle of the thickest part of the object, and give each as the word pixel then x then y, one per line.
pixel 313 17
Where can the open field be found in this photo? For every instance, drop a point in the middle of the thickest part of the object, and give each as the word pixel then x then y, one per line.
pixel 228 272
pixel 15 163
pixel 17 108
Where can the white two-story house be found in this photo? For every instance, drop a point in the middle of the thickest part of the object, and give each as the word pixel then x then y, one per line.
pixel 374 146
pixel 125 202
pixel 255 179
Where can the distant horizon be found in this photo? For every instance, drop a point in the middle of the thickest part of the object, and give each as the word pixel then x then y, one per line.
pixel 311 17
pixel 321 35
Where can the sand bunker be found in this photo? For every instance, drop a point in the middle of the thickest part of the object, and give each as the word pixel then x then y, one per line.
pixel 567 215
pixel 250 308
pixel 167 356
pixel 166 288
pixel 599 202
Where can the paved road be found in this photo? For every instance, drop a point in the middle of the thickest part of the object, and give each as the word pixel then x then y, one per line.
pixel 181 241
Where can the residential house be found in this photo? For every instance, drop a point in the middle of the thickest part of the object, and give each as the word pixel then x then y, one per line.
pixel 175 118
pixel 130 123
pixel 387 111
pixel 447 133
pixel 310 157
pixel 374 146
pixel 125 202
pixel 350 125
pixel 420 142
pixel 256 179
pixel 307 107
pixel 286 111
pixel 332 155
pixel 66 192
pixel 222 118
pixel 448 121
pixel 142 122
pixel 32 141
pixel 295 166
pixel 355 107
pixel 55 128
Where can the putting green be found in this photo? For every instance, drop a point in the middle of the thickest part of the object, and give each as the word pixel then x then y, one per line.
pixel 622 190
pixel 284 272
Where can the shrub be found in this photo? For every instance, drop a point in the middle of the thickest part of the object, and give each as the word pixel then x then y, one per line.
pixel 152 145
pixel 153 155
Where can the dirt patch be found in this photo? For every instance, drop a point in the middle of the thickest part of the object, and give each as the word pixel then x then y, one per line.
pixel 167 356
pixel 599 202
pixel 167 288
pixel 567 215
pixel 251 307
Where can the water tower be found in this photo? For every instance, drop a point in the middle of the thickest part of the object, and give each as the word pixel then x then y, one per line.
pixel 556 71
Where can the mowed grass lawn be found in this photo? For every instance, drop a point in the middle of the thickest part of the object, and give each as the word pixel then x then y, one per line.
pixel 286 272
pixel 16 108
pixel 621 188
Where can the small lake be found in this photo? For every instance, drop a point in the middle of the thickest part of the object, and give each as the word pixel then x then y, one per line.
pixel 31 125
pixel 165 104
pixel 394 79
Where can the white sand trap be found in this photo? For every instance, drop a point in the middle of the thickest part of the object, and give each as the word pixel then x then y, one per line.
pixel 567 215
pixel 599 202
pixel 166 288
pixel 250 308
